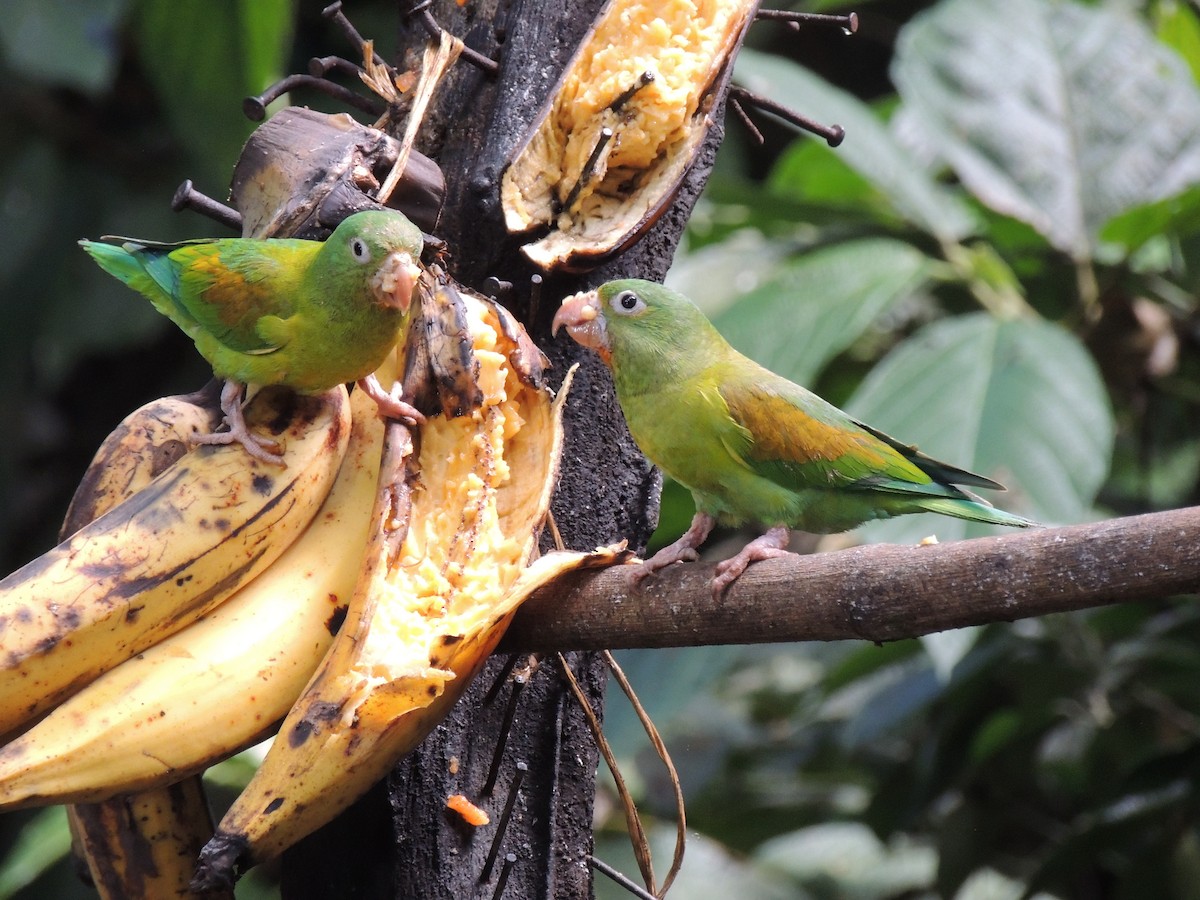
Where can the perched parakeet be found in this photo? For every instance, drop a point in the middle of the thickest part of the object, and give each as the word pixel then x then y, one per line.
pixel 750 445
pixel 307 314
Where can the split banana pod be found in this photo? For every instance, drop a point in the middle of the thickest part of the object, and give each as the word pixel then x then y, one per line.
pixel 610 149
pixel 164 557
pixel 448 561
pixel 145 844
pixel 220 684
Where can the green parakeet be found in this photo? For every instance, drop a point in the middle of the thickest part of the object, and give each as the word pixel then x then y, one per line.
pixel 307 314
pixel 750 445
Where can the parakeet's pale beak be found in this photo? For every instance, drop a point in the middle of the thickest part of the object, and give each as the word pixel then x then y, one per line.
pixel 393 284
pixel 580 315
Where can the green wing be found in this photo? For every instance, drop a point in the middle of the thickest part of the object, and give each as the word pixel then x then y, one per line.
pixel 240 292
pixel 800 441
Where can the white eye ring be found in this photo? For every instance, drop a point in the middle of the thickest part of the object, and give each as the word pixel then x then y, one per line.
pixel 627 303
pixel 359 250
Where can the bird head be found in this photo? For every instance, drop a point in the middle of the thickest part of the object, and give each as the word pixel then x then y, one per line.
pixel 385 245
pixel 631 318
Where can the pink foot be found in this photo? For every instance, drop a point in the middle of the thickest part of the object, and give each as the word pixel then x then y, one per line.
pixel 260 448
pixel 768 546
pixel 389 405
pixel 683 550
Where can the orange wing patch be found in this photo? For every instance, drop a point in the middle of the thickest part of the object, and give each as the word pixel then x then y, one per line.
pixel 232 298
pixel 784 432
pixel 228 290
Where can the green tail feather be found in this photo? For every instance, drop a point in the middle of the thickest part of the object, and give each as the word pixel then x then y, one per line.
pixel 974 511
pixel 118 262
pixel 147 272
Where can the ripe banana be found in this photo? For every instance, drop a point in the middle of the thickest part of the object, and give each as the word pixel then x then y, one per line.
pixel 145 845
pixel 145 444
pixel 223 682
pixel 142 845
pixel 158 561
pixel 451 537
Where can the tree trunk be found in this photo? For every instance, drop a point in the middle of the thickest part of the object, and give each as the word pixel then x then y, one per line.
pixel 400 841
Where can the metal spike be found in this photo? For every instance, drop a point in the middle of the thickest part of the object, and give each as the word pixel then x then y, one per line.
pixel 434 30
pixel 510 860
pixel 646 78
pixel 623 880
pixel 747 122
pixel 535 296
pixel 319 66
pixel 502 826
pixel 848 22
pixel 334 13
pixel 187 197
pixel 255 108
pixel 833 134
pixel 589 168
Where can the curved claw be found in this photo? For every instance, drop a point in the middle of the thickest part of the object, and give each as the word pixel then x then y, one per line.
pixel 390 405
pixel 767 546
pixel 686 549
pixel 260 448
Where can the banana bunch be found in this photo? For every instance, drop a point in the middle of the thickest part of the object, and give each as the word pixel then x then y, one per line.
pixel 143 844
pixel 370 577
pixel 166 556
pixel 219 685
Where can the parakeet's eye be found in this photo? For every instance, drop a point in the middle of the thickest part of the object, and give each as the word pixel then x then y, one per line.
pixel 627 303
pixel 359 250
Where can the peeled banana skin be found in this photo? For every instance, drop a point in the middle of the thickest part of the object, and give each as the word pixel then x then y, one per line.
pixel 144 844
pixel 165 556
pixel 223 682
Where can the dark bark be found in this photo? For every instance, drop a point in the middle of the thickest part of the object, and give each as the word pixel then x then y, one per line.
pixel 607 491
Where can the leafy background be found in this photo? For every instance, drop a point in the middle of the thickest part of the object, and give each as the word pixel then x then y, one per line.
pixel 1000 263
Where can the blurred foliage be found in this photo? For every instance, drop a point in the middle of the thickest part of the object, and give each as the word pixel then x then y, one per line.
pixel 1000 264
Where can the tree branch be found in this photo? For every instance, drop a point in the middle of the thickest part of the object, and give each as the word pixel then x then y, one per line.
pixel 881 592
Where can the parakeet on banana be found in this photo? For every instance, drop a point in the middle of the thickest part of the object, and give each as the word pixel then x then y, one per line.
pixel 306 314
pixel 750 445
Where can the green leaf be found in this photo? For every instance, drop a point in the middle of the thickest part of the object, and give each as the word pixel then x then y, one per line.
pixel 203 58
pixel 1058 114
pixel 818 177
pixel 1019 401
pixel 1133 229
pixel 947 648
pixel 40 844
pixel 1179 28
pixel 63 41
pixel 869 147
pixel 815 305
pixel 710 871
pixel 988 884
pixel 848 856
pixel 714 276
